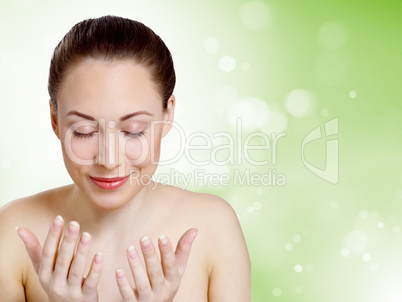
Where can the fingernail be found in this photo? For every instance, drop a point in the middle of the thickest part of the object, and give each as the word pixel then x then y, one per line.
pixel 132 253
pixel 164 240
pixel 58 222
pixel 16 229
pixel 98 258
pixel 120 273
pixel 73 227
pixel 85 238
pixel 146 243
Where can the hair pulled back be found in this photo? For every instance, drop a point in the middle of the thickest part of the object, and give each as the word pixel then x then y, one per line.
pixel 113 38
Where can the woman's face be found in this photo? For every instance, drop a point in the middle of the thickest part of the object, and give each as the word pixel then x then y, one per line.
pixel 110 122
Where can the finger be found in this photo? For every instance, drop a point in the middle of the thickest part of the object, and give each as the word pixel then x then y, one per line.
pixel 153 264
pixel 91 282
pixel 66 252
pixel 80 260
pixel 126 292
pixel 32 246
pixel 141 280
pixel 168 259
pixel 50 248
pixel 183 249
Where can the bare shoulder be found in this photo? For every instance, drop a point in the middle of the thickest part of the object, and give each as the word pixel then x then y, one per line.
pixel 192 199
pixel 15 264
pixel 220 238
pixel 26 212
pixel 30 208
pixel 214 216
pixel 206 207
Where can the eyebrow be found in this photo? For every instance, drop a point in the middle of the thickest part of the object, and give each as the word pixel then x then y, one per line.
pixel 126 117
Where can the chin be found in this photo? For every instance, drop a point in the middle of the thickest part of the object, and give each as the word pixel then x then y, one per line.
pixel 112 200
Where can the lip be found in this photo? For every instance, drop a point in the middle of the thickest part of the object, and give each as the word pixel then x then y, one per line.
pixel 109 183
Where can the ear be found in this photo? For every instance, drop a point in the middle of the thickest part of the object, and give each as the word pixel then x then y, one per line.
pixel 168 115
pixel 53 119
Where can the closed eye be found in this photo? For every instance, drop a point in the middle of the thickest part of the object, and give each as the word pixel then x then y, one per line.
pixel 133 134
pixel 83 135
pixel 91 134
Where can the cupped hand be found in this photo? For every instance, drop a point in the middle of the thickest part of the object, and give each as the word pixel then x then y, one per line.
pixel 61 269
pixel 161 279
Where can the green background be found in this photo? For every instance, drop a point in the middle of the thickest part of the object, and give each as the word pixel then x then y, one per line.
pixel 292 66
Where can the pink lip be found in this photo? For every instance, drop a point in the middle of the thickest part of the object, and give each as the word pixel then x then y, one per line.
pixel 109 183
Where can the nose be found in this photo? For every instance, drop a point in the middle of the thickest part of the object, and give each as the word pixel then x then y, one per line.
pixel 108 151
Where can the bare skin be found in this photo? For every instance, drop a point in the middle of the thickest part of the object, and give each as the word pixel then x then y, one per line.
pixel 213 263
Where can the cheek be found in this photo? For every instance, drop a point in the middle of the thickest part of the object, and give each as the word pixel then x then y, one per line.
pixel 145 150
pixel 137 150
pixel 85 148
pixel 79 150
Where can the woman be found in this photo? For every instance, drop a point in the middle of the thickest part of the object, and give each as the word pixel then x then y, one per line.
pixel 110 84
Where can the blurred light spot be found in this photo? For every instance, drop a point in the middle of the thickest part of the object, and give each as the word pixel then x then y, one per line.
pixel 298 290
pixel 257 205
pixel 373 267
pixel 332 35
pixel 227 63
pixel 277 292
pixel 296 238
pixel 396 229
pixel 6 164
pixel 255 14
pixel 254 114
pixel 250 210
pixel 366 257
pixel 324 112
pixel 344 252
pixel 380 225
pixel 330 70
pixel 363 214
pixel 220 110
pixel 309 268
pixel 245 66
pixel 298 102
pixel 334 205
pixel 356 241
pixel 352 94
pixel 211 45
pixel 398 194
pixel 298 268
pixel 288 247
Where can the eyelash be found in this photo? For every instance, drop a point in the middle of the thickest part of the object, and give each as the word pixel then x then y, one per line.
pixel 126 134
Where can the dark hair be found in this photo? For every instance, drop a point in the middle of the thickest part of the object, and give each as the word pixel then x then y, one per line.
pixel 113 38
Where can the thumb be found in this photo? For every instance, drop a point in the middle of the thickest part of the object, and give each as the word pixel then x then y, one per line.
pixel 183 249
pixel 32 245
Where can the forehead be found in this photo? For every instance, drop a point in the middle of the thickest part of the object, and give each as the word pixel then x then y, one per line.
pixel 101 88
